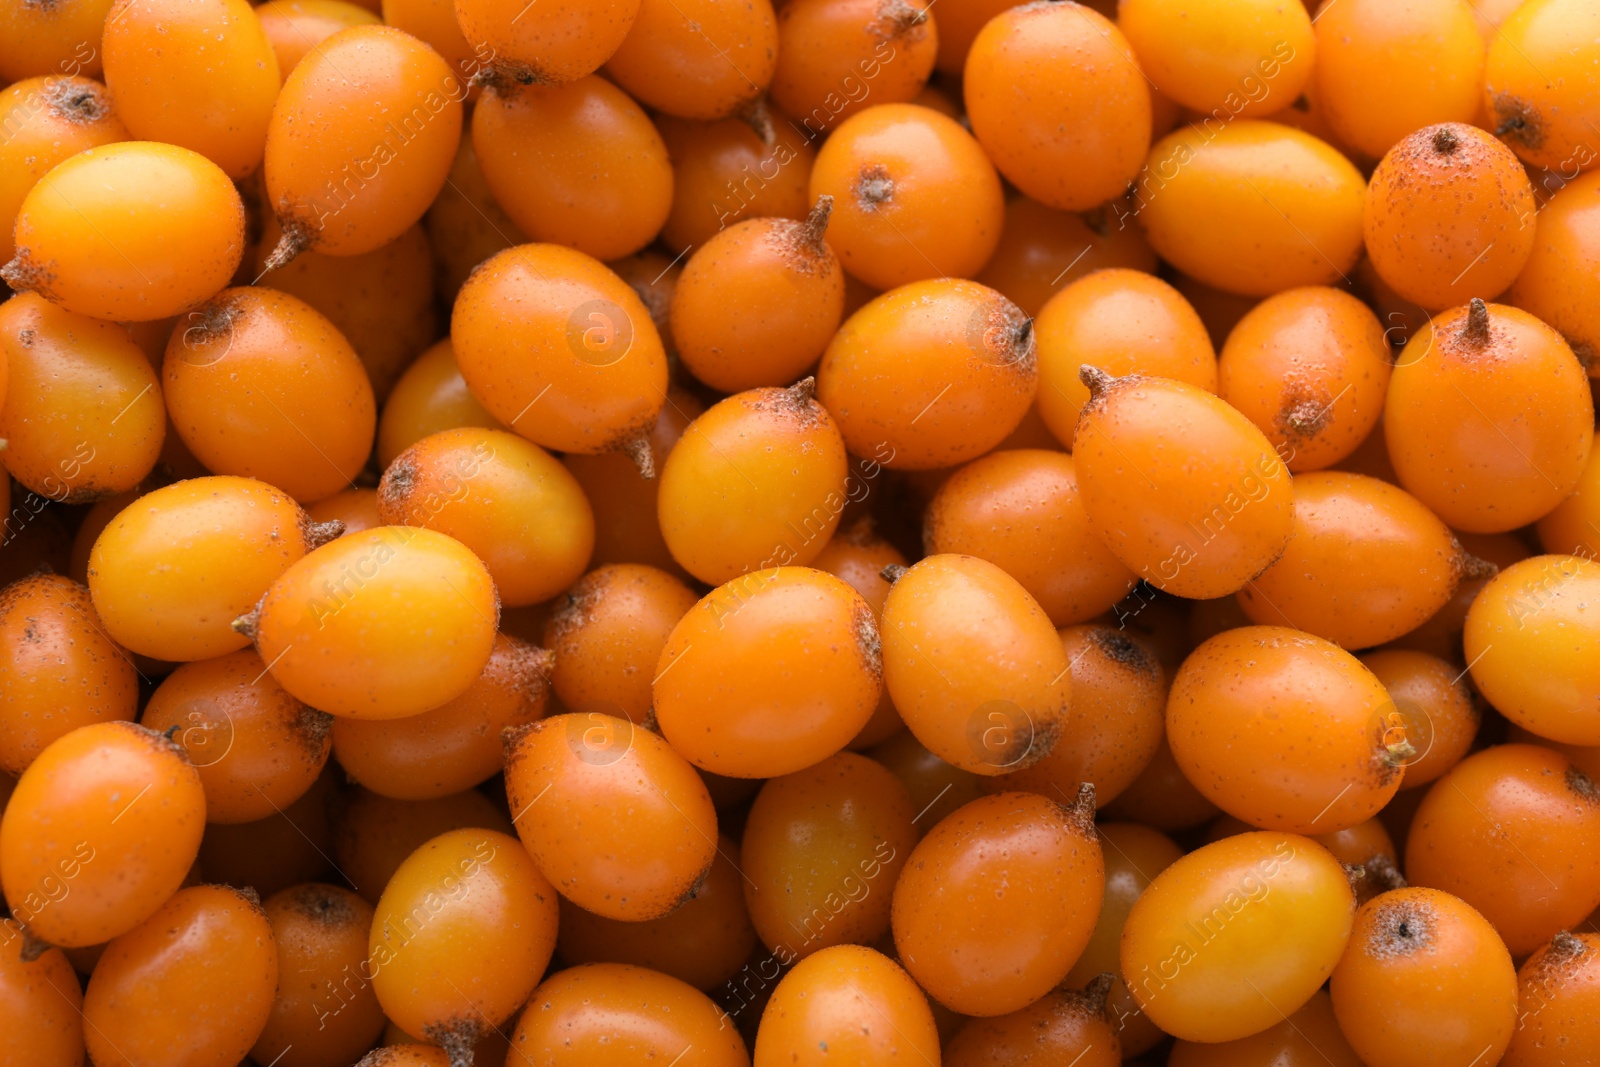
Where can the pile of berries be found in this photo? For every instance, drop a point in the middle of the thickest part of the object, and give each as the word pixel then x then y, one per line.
pixel 712 533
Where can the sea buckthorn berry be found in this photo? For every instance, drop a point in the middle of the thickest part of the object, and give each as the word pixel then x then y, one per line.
pixel 757 482
pixel 704 942
pixel 946 622
pixel 559 349
pixel 930 375
pixel 821 852
pixel 1322 757
pixel 1200 950
pixel 279 851
pixel 102 828
pixel 1252 208
pixel 896 173
pixel 295 27
pixel 508 500
pixel 1574 526
pixel 555 44
pixel 618 821
pixel 936 788
pixel 1134 855
pixel 257 748
pixel 1558 1001
pixel 1182 488
pixel 1520 441
pixel 1309 367
pixel 351 186
pixel 697 58
pixel 549 153
pixel 997 902
pixel 1425 980
pixel 381 301
pixel 47 120
pixel 325 1011
pixel 614 1015
pixel 1227 58
pixel 456 745
pixel 1447 216
pixel 260 384
pixel 354 508
pixel 1041 249
pixel 758 302
pixel 1539 88
pixel 1021 511
pixel 1367 562
pixel 1502 831
pixel 82 414
pixel 846 1003
pixel 796 650
pixel 1309 1037
pixel 200 74
pixel 1123 321
pixel 107 233
pixel 627 528
pixel 429 396
pixel 1530 639
pixel 60 39
pixel 217 543
pixel 1063 1026
pixel 1430 705
pixel 730 170
pixel 59 670
pixel 1058 101
pixel 1161 797
pixel 190 986
pixel 381 624
pixel 1559 282
pixel 461 936
pixel 374 834
pixel 41 1005
pixel 465 226
pixel 836 55
pixel 607 634
pixel 1119 702
pixel 1384 70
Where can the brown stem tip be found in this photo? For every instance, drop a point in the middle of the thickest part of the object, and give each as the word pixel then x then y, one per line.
pixel 1096 379
pixel 1081 809
pixel 32 947
pixel 816 224
pixel 294 241
pixel 1565 946
pixel 1381 872
pixel 320 533
pixel 1399 753
pixel 248 623
pixel 1473 567
pixel 1098 991
pixel 1445 140
pixel 756 115
pixel 801 392
pixel 637 448
pixel 891 572
pixel 1475 331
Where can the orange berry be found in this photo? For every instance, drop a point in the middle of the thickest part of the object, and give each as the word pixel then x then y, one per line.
pixel 104 235
pixel 559 349
pixel 1447 216
pixel 1253 207
pixel 1200 951
pixel 1310 367
pixel 1228 58
pixel 997 902
pixel 1182 488
pixel 1539 90
pixel 946 621
pixel 1058 101
pixel 1123 321
pixel 846 1003
pixel 549 154
pixel 381 624
pixel 1489 420
pixel 930 375
pixel 557 43
pixel 101 829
